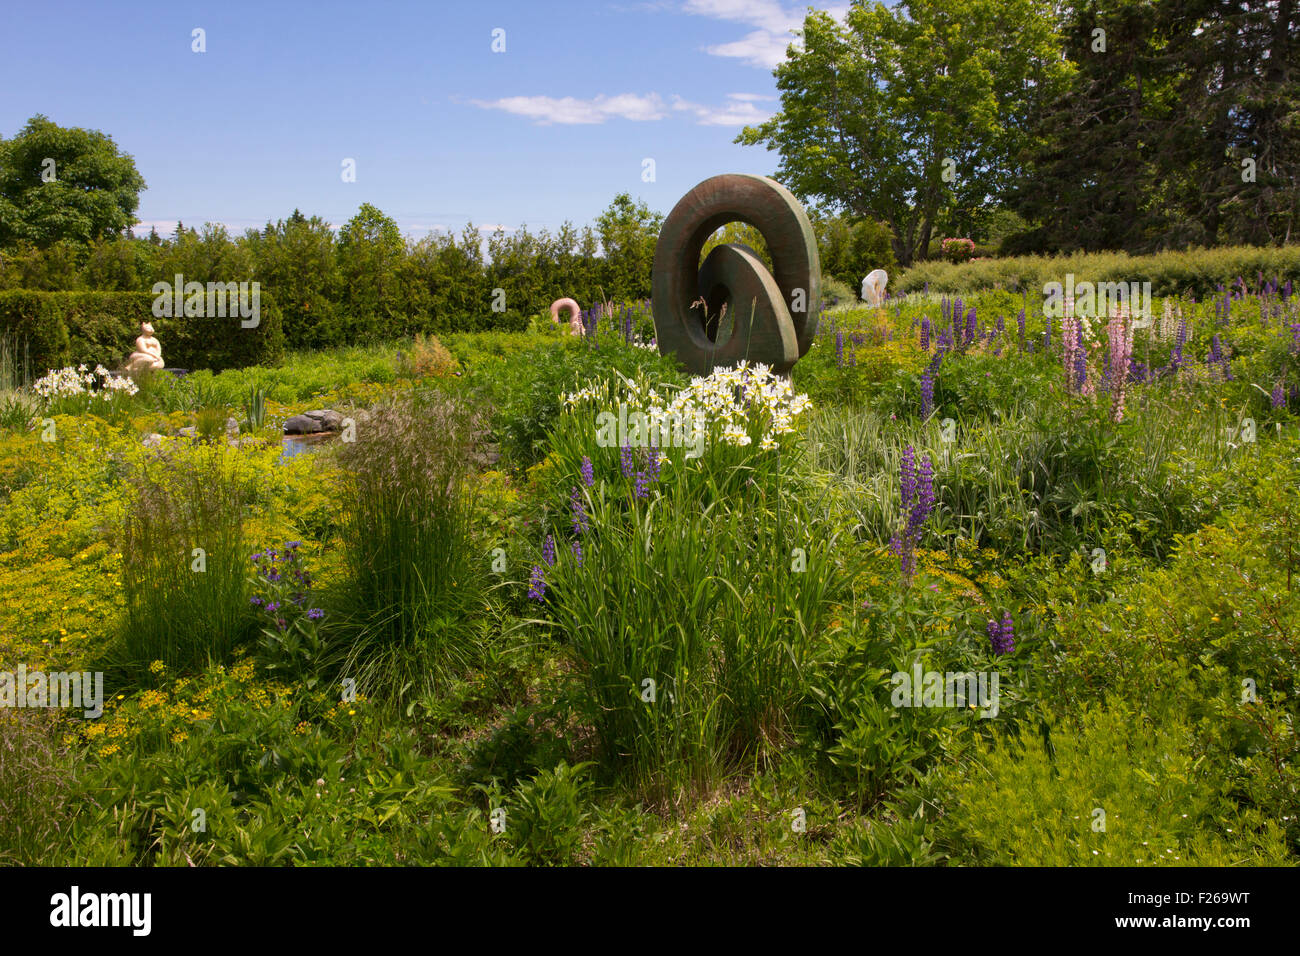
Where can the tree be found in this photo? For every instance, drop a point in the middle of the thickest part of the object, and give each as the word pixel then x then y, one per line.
pixel 64 184
pixel 1232 163
pixel 908 114
pixel 295 259
pixel 628 233
pixel 370 250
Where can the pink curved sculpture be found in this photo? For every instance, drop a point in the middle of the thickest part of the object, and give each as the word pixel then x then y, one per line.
pixel 575 314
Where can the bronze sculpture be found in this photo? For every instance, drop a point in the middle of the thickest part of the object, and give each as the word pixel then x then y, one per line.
pixel 773 316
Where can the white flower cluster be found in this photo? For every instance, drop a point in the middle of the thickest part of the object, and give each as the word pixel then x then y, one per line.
pixel 100 383
pixel 731 403
pixel 735 397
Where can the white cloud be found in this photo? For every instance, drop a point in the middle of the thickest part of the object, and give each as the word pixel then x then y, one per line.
pixel 738 110
pixel 569 110
pixel 773 24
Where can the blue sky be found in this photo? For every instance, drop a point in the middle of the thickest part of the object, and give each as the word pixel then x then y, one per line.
pixel 442 129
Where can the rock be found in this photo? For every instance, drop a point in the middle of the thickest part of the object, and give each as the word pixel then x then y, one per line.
pixel 152 440
pixel 232 426
pixel 309 423
pixel 189 431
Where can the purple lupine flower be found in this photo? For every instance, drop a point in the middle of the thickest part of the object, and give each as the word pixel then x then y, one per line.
pixel 839 349
pixel 925 334
pixel 916 488
pixel 537 584
pixel 625 461
pixel 970 327
pixel 653 463
pixel 1005 642
pixel 548 551
pixel 1020 327
pixel 588 475
pixel 993 633
pixel 1279 396
pixel 1001 327
pixel 315 614
pixel 273 607
pixel 579 509
pixel 927 395
pixel 907 476
pixel 255 601
pixel 641 489
pixel 1080 362
pixel 577 552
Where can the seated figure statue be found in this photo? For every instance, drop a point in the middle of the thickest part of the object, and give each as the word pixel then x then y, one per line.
pixel 147 354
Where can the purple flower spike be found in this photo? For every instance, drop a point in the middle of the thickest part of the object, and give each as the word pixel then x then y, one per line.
pixel 1003 637
pixel 652 463
pixel 642 485
pixel 579 509
pixel 625 460
pixel 588 476
pixel 537 584
pixel 548 551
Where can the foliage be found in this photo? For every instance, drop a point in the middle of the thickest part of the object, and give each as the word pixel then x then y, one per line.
pixel 416 575
pixel 60 183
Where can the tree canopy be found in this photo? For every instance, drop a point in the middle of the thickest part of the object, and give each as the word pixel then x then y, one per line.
pixel 61 183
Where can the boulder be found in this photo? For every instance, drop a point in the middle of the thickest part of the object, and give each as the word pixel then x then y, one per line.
pixel 310 423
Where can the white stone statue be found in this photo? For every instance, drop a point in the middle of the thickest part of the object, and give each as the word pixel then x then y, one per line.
pixel 873 288
pixel 147 354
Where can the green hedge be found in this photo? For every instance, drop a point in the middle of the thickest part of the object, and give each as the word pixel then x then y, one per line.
pixel 68 328
pixel 1195 272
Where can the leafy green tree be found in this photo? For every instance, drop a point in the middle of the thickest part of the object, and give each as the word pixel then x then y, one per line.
pixel 849 250
pixel 61 183
pixel 628 233
pixel 370 250
pixel 1231 161
pixel 295 258
pixel 908 114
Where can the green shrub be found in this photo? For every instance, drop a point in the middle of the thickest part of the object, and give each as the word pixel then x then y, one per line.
pixel 1108 788
pixel 1195 272
pixel 71 328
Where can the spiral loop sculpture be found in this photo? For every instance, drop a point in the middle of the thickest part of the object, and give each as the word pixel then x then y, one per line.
pixel 770 317
pixel 575 314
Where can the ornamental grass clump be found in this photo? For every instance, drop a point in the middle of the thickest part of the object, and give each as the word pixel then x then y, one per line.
pixel 689 626
pixel 416 583
pixel 184 560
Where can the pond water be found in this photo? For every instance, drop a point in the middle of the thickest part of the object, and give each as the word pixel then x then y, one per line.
pixel 295 445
